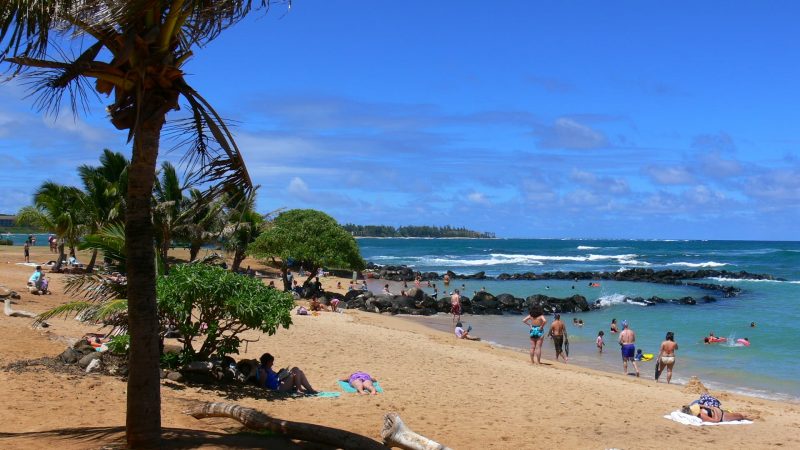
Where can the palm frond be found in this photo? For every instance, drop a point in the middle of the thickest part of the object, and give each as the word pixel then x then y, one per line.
pixel 72 308
pixel 94 288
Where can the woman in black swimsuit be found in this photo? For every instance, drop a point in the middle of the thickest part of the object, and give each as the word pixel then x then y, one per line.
pixel 712 413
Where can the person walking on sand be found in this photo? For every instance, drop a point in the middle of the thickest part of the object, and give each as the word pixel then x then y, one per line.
pixel 26 251
pixel 558 332
pixel 536 320
pixel 666 355
pixel 455 306
pixel 627 338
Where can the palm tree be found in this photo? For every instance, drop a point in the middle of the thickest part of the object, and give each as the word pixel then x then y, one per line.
pixel 243 227
pixel 200 223
pixel 169 201
pixel 135 50
pixel 105 187
pixel 58 209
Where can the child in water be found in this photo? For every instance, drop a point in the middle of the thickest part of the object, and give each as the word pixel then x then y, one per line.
pixel 600 342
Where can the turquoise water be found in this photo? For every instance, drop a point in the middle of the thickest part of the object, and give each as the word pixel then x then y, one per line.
pixel 767 368
pixel 19 239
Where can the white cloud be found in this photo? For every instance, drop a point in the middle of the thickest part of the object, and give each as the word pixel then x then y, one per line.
pixel 672 175
pixel 566 133
pixel 478 197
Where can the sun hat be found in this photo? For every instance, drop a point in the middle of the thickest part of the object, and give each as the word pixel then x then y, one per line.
pixel 695 409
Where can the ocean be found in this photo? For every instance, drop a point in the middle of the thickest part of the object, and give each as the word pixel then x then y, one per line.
pixel 767 368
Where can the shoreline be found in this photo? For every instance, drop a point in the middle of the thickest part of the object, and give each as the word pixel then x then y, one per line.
pixel 440 323
pixel 467 395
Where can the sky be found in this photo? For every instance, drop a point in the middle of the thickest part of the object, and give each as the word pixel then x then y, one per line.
pixel 622 119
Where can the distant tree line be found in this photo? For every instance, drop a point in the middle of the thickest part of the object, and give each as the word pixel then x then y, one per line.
pixel 425 231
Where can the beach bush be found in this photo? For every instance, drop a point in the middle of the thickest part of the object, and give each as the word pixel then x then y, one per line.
pixel 6 242
pixel 211 307
pixel 311 238
pixel 119 344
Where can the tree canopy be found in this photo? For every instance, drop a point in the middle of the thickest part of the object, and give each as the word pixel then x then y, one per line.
pixel 311 238
pixel 229 303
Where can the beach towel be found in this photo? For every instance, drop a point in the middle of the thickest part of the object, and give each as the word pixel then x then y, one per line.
pixel 350 389
pixel 327 394
pixel 695 421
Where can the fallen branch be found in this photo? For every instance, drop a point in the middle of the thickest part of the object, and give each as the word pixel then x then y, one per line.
pixel 256 420
pixel 395 433
pixel 11 313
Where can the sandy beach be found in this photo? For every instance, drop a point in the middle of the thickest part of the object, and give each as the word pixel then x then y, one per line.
pixel 467 395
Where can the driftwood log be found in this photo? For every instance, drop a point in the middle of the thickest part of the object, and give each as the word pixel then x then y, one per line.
pixel 395 433
pixel 257 420
pixel 11 313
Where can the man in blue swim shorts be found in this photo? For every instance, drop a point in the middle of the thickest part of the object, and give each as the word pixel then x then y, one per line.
pixel 626 341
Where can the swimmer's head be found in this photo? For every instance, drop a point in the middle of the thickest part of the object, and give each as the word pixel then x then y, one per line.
pixel 670 336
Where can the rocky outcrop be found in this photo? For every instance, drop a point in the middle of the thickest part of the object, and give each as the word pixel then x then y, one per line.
pixel 675 277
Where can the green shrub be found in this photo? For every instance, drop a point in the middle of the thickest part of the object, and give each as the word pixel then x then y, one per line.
pixel 6 242
pixel 228 303
pixel 119 344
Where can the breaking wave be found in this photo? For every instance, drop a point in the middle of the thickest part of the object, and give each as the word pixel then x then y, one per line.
pixel 695 265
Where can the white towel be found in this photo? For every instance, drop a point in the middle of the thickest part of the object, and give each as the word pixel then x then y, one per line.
pixel 695 421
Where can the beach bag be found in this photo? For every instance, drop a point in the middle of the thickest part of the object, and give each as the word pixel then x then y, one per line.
pixel 707 400
pixel 537 332
pixel 302 311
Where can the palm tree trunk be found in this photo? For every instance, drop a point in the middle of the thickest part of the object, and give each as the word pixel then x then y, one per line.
pixel 143 418
pixel 238 257
pixel 90 266
pixel 194 249
pixel 61 257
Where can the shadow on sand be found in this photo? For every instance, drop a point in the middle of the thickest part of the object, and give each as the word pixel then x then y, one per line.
pixel 113 438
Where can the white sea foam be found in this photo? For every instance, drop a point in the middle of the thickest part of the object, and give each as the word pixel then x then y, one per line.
pixel 633 262
pixel 587 247
pixel 749 280
pixel 493 260
pixel 695 265
pixel 613 299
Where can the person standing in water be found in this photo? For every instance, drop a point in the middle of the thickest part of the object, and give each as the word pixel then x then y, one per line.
pixel 536 320
pixel 558 332
pixel 666 355
pixel 455 306
pixel 626 341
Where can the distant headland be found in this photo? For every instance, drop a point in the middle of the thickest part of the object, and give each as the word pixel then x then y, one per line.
pixel 415 231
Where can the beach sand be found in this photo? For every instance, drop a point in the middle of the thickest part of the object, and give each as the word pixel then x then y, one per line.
pixel 467 395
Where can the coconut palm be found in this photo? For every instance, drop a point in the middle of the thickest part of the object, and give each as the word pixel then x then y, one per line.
pixel 200 223
pixel 135 50
pixel 169 201
pixel 104 186
pixel 243 227
pixel 58 209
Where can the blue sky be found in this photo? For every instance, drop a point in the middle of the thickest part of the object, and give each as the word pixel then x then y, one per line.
pixel 528 119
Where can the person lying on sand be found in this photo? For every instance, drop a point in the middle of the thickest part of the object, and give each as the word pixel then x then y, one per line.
pixel 284 380
pixel 362 382
pixel 712 413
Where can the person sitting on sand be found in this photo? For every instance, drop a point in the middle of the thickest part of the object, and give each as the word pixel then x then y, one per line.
pixel 362 382
pixel 461 333
pixel 35 280
pixel 712 413
pixel 284 380
pixel 315 304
